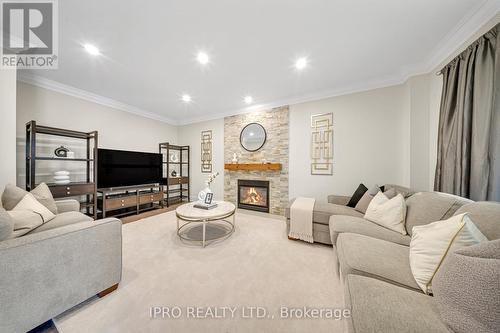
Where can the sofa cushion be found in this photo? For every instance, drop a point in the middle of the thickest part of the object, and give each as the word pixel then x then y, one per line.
pixel 426 207
pixel 389 213
pixel 358 225
pixel 24 221
pixel 63 219
pixel 377 306
pixel 466 288
pixel 431 243
pixel 367 256
pixel 44 196
pixel 323 211
pixel 30 203
pixel 486 217
pixel 6 225
pixel 404 191
pixel 13 194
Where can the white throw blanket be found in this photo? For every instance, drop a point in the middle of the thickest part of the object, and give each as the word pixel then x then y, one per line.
pixel 301 219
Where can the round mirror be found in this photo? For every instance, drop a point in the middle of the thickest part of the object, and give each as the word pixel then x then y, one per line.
pixel 253 137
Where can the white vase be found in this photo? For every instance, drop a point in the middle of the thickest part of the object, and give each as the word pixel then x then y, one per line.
pixel 203 193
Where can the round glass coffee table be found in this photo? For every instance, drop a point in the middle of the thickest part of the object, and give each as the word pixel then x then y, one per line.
pixel 205 225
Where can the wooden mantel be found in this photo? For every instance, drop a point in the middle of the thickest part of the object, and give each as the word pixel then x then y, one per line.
pixel 253 166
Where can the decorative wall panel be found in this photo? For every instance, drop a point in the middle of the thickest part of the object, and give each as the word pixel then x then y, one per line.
pixel 322 144
pixel 206 151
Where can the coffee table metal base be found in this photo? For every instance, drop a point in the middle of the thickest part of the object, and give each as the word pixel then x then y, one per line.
pixel 183 223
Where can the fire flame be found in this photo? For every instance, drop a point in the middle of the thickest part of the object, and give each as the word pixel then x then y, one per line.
pixel 252 196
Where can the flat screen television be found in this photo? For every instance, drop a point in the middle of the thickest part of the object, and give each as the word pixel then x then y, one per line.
pixel 117 168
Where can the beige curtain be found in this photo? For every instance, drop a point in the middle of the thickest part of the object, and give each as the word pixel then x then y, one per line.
pixel 468 161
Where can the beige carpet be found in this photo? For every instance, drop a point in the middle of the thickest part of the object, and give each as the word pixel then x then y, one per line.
pixel 256 266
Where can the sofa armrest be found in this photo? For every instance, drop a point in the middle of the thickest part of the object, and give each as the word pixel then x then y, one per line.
pixel 67 205
pixel 47 273
pixel 339 199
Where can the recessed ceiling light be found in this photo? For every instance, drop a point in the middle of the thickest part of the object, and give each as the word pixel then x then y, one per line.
pixel 91 49
pixel 202 58
pixel 248 99
pixel 186 98
pixel 301 63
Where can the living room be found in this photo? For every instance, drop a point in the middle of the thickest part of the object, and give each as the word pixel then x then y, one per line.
pixel 276 167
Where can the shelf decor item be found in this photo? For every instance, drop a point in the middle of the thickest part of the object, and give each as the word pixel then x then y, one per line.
pixel 61 152
pixel 174 158
pixel 176 178
pixel 322 144
pixel 207 191
pixel 85 191
pixel 61 177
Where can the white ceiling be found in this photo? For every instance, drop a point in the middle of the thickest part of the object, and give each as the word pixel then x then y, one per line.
pixel 149 50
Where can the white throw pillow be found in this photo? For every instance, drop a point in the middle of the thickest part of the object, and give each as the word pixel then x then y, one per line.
pixel 389 213
pixel 24 221
pixel 29 202
pixel 431 243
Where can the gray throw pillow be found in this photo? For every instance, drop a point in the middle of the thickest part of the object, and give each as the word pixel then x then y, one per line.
pixel 365 200
pixel 6 225
pixel 13 194
pixel 44 196
pixel 391 193
pixel 466 288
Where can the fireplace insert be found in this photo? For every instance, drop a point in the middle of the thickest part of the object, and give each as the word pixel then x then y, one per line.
pixel 253 195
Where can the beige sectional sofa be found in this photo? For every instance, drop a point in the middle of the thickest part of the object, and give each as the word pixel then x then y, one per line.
pixel 379 286
pixel 336 205
pixel 56 266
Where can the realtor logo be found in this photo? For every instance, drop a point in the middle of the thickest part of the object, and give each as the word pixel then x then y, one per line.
pixel 29 34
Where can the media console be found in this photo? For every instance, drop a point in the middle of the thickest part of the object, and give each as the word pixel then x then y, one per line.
pixel 126 200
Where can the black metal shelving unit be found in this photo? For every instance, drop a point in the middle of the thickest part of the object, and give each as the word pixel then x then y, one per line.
pixel 176 188
pixel 86 189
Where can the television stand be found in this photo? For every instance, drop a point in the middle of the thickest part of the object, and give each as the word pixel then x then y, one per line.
pixel 129 200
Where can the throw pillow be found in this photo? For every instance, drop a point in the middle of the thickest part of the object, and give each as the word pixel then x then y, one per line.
pixel 363 204
pixel 30 203
pixel 389 213
pixel 6 225
pixel 391 193
pixel 431 243
pixel 357 195
pixel 24 221
pixel 44 196
pixel 12 195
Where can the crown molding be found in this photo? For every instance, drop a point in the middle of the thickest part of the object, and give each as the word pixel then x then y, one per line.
pixel 88 96
pixel 355 88
pixel 449 45
pixel 462 32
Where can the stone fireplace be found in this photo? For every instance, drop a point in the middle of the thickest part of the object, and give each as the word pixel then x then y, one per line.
pixel 253 195
pixel 275 150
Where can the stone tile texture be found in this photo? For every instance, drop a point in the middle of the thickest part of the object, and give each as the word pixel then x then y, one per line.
pixel 275 150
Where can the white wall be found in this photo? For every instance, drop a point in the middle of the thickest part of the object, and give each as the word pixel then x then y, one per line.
pixel 371 142
pixel 7 127
pixel 191 135
pixel 419 95
pixel 117 129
